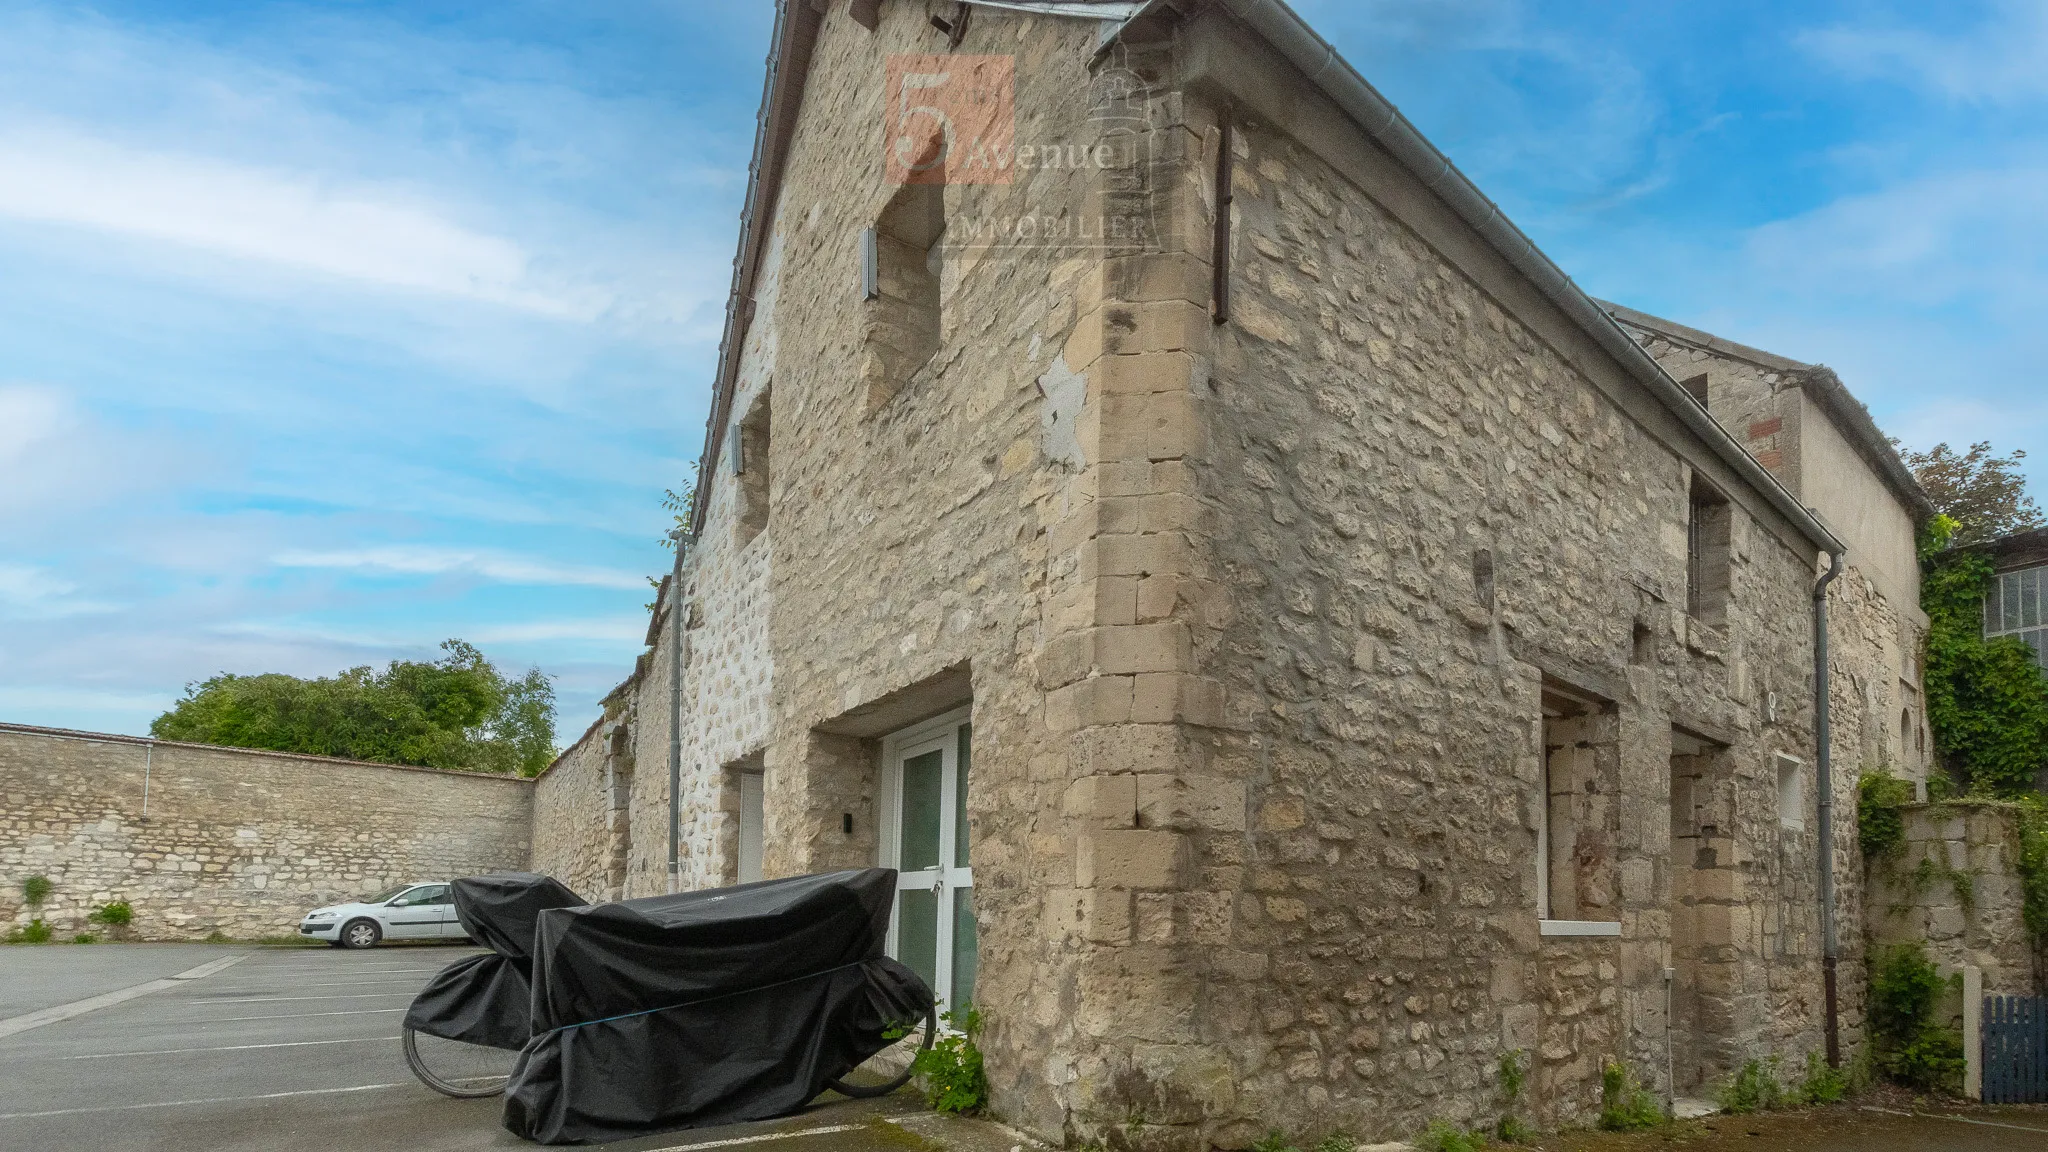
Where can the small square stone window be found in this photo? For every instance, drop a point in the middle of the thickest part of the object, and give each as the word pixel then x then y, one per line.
pixel 1791 792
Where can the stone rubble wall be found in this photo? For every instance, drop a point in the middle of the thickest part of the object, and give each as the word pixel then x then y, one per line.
pixel 578 810
pixel 1381 420
pixel 238 842
pixel 1954 886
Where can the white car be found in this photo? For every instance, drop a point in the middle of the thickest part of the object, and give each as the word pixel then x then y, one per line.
pixel 407 912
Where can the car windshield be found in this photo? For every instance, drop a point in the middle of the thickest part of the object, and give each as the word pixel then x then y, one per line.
pixel 387 894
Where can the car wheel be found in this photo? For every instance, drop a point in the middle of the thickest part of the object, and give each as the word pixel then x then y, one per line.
pixel 360 934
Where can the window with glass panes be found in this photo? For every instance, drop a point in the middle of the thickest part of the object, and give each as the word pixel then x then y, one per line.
pixel 2017 605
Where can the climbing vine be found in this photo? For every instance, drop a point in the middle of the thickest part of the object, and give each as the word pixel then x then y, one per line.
pixel 1987 700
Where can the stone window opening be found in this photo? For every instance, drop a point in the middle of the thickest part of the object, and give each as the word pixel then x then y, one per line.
pixel 742 795
pixel 1697 387
pixel 1642 644
pixel 1708 567
pixel 750 463
pixel 1578 876
pixel 1705 879
pixel 902 259
pixel 1791 792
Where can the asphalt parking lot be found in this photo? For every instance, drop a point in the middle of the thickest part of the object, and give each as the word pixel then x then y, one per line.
pixel 289 1048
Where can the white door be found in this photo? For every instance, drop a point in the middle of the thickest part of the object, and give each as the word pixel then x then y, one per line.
pixel 925 838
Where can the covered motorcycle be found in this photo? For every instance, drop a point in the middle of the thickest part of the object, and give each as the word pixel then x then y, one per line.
pixel 487 1000
pixel 707 1007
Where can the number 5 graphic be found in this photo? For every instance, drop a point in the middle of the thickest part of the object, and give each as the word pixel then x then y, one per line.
pixel 912 149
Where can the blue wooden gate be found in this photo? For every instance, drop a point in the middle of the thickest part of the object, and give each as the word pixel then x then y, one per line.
pixel 2015 1049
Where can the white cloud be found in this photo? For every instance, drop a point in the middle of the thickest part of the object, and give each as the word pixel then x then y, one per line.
pixel 413 560
pixel 621 628
pixel 2004 58
pixel 31 593
pixel 362 234
pixel 1980 234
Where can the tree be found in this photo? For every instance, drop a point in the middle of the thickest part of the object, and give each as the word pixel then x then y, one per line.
pixel 1985 494
pixel 455 712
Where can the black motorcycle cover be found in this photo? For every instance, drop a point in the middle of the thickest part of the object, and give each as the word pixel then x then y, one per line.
pixel 706 1007
pixel 488 999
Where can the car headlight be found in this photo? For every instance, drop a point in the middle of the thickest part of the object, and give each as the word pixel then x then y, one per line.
pixel 319 915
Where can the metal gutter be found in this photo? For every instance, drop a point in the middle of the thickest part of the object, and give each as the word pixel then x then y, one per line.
pixel 1824 789
pixel 1295 41
pixel 782 93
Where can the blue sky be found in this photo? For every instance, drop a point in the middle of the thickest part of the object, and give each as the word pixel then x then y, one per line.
pixel 331 331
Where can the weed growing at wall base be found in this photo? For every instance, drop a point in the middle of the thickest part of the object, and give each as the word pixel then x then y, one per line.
pixel 951 1068
pixel 1912 1046
pixel 1625 1106
pixel 33 932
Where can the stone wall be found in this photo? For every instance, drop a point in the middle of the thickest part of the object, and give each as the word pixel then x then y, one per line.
pixel 236 841
pixel 1437 514
pixel 1954 887
pixel 580 811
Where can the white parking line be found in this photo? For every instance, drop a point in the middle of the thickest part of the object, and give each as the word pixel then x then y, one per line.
pixel 109 999
pixel 292 1016
pixel 231 1048
pixel 282 999
pixel 737 1141
pixel 189 1103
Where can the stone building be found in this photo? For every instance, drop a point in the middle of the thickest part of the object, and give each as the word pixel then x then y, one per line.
pixel 1800 422
pixel 1295 646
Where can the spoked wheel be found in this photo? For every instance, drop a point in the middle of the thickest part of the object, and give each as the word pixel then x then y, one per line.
pixel 874 1078
pixel 457 1068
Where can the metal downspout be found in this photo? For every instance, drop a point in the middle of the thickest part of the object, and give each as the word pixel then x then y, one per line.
pixel 675 718
pixel 1824 784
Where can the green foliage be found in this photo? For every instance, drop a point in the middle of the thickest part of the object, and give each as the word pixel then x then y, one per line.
pixel 455 712
pixel 2032 865
pixel 85 938
pixel 35 890
pixel 1982 496
pixel 1624 1105
pixel 1910 1044
pixel 114 914
pixel 1513 1074
pixel 217 937
pixel 1880 829
pixel 1754 1089
pixel 1822 1085
pixel 1987 700
pixel 1274 1141
pixel 951 1068
pixel 1444 1136
pixel 678 505
pixel 1336 1142
pixel 34 932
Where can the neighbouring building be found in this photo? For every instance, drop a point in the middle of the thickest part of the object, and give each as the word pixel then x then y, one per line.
pixel 2017 603
pixel 202 839
pixel 1294 645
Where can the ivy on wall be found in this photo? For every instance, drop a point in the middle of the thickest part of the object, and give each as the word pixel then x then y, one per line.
pixel 1987 700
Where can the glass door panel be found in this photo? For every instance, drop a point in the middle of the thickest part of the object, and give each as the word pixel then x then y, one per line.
pixel 934 930
pixel 923 811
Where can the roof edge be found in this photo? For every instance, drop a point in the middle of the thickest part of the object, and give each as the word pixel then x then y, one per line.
pixel 1289 35
pixel 1820 382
